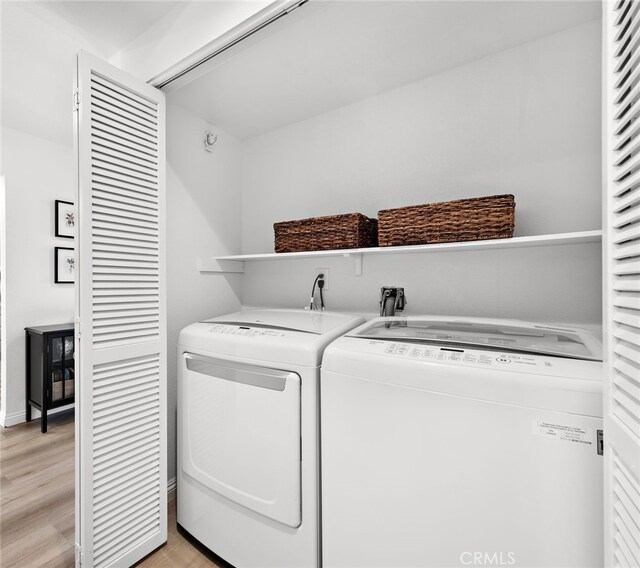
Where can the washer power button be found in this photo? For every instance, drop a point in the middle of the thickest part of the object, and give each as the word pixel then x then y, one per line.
pixel 503 360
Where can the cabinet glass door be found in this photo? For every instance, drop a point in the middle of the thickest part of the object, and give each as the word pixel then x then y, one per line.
pixel 62 369
pixel 57 367
pixel 68 374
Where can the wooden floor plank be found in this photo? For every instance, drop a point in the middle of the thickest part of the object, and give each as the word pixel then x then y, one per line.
pixel 34 548
pixel 6 489
pixel 64 560
pixel 180 552
pixel 27 515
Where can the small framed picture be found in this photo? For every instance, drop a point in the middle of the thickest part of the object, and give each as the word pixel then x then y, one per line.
pixel 65 219
pixel 64 265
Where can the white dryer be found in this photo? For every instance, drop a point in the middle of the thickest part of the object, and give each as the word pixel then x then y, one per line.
pixel 462 442
pixel 248 468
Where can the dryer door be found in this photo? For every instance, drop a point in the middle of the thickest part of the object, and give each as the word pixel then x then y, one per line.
pixel 241 434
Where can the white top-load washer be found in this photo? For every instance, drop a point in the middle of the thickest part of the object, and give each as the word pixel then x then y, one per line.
pixel 248 468
pixel 462 442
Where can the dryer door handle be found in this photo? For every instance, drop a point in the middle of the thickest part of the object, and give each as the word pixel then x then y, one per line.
pixel 253 375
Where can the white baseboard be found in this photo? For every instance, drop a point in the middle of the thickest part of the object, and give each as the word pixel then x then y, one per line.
pixel 7 420
pixel 4 419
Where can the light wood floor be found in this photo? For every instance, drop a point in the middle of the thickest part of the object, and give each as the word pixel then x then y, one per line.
pixel 37 503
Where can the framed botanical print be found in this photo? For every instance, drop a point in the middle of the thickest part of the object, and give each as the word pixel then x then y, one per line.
pixel 65 219
pixel 64 263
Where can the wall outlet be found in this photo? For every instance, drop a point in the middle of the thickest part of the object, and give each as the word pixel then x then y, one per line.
pixel 324 271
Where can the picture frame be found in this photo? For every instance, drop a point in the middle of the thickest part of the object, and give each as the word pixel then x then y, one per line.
pixel 64 264
pixel 65 219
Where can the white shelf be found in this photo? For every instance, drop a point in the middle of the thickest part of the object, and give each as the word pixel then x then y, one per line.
pixel 235 263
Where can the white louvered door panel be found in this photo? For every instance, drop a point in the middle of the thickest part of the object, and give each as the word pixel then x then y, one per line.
pixel 121 463
pixel 622 284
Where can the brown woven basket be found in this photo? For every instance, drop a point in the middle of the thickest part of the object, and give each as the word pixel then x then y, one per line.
pixel 449 221
pixel 351 230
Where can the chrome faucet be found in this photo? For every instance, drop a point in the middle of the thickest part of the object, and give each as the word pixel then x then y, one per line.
pixel 392 300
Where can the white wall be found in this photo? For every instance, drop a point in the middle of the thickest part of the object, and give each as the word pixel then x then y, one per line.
pixel 558 284
pixel 37 172
pixel 37 161
pixel 38 63
pixel 524 121
pixel 203 219
pixel 3 294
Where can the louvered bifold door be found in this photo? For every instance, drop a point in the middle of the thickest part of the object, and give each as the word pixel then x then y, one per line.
pixel 622 283
pixel 120 327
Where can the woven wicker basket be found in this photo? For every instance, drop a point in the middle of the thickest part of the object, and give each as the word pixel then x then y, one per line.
pixel 351 230
pixel 449 221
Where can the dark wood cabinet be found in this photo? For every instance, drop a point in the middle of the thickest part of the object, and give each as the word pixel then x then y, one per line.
pixel 50 372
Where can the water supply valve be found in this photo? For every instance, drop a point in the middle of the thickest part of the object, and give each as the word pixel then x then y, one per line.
pixel 392 300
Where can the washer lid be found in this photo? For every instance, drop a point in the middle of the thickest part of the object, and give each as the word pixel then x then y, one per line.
pixel 306 321
pixel 493 334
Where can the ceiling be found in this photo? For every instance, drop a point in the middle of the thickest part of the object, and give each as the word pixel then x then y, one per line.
pixel 111 24
pixel 322 56
pixel 330 54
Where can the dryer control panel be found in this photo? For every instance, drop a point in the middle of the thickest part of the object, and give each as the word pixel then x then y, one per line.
pixel 245 331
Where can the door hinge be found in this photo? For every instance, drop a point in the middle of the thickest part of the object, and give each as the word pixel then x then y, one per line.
pixel 78 557
pixel 600 442
pixel 76 100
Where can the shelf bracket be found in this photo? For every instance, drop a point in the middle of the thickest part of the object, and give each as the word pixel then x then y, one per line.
pixel 357 264
pixel 216 266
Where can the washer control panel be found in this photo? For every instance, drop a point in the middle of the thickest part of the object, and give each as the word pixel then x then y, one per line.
pixel 434 353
